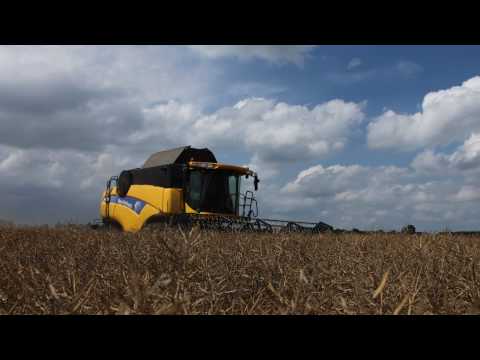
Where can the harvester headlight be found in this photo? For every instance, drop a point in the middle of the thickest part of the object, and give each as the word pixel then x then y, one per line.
pixel 205 165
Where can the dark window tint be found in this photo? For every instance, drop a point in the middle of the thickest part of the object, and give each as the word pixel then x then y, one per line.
pixel 195 189
pixel 213 191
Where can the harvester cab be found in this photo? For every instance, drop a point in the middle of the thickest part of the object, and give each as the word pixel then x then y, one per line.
pixel 214 188
pixel 179 185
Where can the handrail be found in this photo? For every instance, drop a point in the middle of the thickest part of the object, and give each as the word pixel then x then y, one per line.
pixel 108 195
pixel 248 201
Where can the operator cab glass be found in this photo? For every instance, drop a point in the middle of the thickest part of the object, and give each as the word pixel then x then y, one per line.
pixel 213 191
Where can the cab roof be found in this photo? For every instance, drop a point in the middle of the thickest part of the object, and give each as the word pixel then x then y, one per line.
pixel 181 155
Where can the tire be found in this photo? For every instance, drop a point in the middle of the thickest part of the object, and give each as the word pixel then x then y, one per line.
pixel 124 183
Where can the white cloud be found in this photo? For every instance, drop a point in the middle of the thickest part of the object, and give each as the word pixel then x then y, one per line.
pixel 274 135
pixel 48 186
pixel 86 97
pixel 268 171
pixel 465 158
pixel 278 54
pixel 167 123
pixel 354 63
pixel 468 193
pixel 58 168
pixel 284 131
pixel 318 181
pixel 431 163
pixel 150 73
pixel 74 115
pixel 254 89
pixel 386 197
pixel 272 132
pixel 408 68
pixel 398 71
pixel 447 116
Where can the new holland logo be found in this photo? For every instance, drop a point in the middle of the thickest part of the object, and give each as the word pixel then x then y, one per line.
pixel 124 202
pixel 132 204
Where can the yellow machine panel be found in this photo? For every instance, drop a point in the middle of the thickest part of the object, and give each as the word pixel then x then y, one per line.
pixel 140 203
pixel 167 183
pixel 129 220
pixel 167 200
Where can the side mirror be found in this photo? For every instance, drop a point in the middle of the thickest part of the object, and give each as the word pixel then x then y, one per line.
pixel 255 183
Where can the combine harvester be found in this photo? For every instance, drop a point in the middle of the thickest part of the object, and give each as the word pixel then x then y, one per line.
pixel 187 186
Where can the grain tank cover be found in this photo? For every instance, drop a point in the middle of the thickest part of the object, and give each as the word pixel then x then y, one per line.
pixel 181 155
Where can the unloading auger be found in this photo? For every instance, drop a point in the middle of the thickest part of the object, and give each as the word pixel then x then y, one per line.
pixel 187 186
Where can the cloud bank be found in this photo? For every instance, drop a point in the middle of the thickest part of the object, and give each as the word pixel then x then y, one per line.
pixel 71 116
pixel 447 116
pixel 277 54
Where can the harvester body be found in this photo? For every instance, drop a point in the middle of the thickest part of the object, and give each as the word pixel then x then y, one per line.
pixel 174 182
pixel 188 186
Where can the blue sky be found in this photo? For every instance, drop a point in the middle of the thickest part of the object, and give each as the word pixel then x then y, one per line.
pixel 377 79
pixel 357 136
pixel 325 75
pixel 441 67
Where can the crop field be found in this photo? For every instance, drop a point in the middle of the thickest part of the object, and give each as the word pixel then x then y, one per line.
pixel 75 270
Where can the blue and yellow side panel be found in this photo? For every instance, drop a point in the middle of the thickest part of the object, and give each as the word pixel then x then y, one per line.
pixel 140 203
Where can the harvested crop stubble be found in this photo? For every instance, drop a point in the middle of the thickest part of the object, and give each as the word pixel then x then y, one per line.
pixel 75 270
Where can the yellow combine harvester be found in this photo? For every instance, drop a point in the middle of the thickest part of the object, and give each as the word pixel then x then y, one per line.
pixel 187 186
